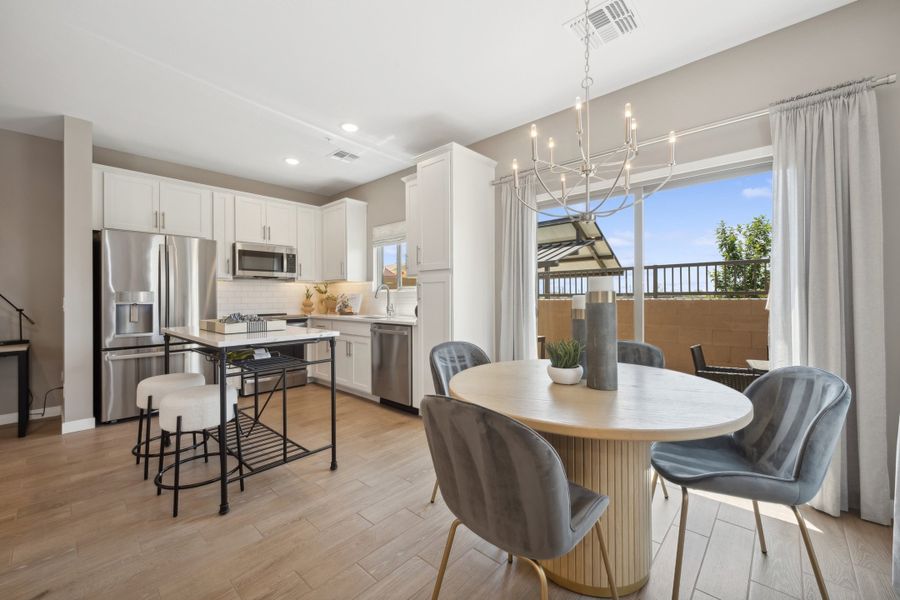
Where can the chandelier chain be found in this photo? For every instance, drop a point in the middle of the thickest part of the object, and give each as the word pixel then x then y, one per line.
pixel 587 172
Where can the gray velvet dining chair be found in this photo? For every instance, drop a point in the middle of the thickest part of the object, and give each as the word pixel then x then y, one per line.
pixel 507 484
pixel 448 359
pixel 640 353
pixel 780 457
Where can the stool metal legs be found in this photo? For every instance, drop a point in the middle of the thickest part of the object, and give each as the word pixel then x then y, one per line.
pixel 177 464
pixel 137 454
pixel 147 441
pixel 434 491
pixel 759 528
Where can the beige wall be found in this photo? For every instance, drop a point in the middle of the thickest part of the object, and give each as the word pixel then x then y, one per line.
pixel 730 330
pixel 124 160
pixel 31 272
pixel 854 41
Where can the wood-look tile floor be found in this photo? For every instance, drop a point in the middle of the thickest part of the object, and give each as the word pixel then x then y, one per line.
pixel 78 521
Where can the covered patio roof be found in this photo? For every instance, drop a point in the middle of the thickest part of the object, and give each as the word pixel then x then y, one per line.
pixel 565 245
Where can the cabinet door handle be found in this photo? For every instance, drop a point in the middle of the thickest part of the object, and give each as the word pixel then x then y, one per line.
pixel 342 268
pixel 156 219
pixel 228 266
pixel 270 233
pixel 263 232
pixel 418 255
pixel 300 274
pixel 349 349
pixel 164 220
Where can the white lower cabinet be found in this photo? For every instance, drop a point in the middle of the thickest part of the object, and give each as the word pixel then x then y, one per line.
pixel 353 356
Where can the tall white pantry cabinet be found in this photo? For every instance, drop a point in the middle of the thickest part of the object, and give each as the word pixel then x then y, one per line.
pixel 450 241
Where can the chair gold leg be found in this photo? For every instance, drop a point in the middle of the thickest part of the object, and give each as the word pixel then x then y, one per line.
pixel 662 484
pixel 509 557
pixel 653 484
pixel 609 573
pixel 542 576
pixel 807 541
pixel 679 555
pixel 759 528
pixel 434 491
pixel 444 560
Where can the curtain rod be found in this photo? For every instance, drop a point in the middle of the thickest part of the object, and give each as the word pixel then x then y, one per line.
pixel 873 82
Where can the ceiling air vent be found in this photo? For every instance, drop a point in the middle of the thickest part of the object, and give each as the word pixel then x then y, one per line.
pixel 605 23
pixel 343 156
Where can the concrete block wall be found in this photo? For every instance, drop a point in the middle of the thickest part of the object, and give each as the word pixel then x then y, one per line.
pixel 730 330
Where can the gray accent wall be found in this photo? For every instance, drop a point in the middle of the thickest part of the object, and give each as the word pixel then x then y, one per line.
pixel 78 357
pixel 31 272
pixel 855 41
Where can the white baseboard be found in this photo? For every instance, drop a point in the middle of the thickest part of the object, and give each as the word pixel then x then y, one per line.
pixel 52 411
pixel 78 425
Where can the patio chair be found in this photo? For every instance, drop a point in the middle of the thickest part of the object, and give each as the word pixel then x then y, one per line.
pixel 734 377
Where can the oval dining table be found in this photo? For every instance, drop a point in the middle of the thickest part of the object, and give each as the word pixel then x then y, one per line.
pixel 603 438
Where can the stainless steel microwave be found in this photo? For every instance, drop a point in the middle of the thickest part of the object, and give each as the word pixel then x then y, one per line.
pixel 264 261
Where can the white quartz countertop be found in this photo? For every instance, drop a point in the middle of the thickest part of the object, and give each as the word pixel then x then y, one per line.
pixel 230 340
pixel 396 320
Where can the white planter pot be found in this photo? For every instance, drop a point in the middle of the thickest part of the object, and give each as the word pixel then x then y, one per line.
pixel 565 376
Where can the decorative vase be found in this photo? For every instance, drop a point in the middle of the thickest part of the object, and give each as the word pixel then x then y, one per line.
pixel 330 305
pixel 565 376
pixel 308 307
pixel 579 328
pixel 602 337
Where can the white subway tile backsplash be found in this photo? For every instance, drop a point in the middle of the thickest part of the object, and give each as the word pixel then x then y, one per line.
pixel 254 296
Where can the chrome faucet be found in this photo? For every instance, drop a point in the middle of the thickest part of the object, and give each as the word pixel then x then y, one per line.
pixel 388 307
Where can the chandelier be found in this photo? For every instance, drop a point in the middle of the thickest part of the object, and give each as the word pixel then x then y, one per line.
pixel 615 165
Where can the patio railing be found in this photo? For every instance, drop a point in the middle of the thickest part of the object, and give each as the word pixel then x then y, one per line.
pixel 728 279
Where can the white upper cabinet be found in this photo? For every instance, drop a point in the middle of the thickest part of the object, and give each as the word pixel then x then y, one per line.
pixel 309 228
pixel 223 232
pixel 130 202
pixel 250 219
pixel 281 223
pixel 185 210
pixel 344 240
pixel 413 224
pixel 433 227
pixel 143 203
pixel 264 221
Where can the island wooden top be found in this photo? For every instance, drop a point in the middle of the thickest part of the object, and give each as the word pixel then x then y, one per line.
pixel 650 405
pixel 212 339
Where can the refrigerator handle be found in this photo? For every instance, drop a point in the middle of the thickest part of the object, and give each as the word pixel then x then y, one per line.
pixel 163 301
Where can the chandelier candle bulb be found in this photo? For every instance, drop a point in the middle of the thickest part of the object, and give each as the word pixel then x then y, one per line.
pixel 534 143
pixel 601 335
pixel 551 145
pixel 672 139
pixel 579 328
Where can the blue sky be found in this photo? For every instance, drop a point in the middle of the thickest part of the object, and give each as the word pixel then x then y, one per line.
pixel 680 223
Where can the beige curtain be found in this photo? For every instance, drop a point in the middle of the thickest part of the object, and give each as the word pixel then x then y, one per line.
pixel 827 290
pixel 518 274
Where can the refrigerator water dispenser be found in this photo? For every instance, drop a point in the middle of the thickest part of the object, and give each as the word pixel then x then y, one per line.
pixel 134 313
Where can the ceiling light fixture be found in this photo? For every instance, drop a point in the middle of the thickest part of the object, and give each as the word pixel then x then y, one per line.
pixel 292 161
pixel 618 163
pixel 350 127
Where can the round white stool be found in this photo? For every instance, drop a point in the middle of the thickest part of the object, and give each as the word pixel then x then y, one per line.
pixel 194 409
pixel 155 388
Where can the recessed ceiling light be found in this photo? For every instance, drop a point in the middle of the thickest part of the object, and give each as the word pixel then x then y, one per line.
pixel 292 161
pixel 350 127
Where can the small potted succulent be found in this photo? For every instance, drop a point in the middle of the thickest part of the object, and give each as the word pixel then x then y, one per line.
pixel 564 365
pixel 308 305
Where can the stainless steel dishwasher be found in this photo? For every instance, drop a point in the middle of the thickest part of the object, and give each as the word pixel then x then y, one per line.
pixel 392 363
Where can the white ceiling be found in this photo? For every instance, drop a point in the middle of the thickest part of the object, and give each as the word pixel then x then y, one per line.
pixel 235 86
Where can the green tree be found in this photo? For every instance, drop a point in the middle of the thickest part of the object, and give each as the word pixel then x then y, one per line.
pixel 748 241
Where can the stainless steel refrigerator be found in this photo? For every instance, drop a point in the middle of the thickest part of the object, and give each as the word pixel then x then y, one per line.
pixel 146 282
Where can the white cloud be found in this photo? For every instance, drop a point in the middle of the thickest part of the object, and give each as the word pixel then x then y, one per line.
pixel 757 192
